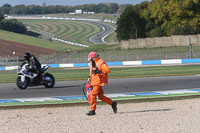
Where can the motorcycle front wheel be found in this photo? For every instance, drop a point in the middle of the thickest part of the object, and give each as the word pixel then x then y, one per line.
pixel 21 85
pixel 49 80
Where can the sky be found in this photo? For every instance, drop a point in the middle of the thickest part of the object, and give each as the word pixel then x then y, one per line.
pixel 68 2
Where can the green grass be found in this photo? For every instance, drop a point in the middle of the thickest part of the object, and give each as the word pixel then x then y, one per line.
pixel 130 72
pixel 112 38
pixel 74 31
pixel 10 36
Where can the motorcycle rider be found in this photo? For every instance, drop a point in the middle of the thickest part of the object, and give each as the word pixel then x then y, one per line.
pixel 34 65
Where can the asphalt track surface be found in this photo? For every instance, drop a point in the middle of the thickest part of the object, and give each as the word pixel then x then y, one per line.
pixel 72 88
pixel 99 38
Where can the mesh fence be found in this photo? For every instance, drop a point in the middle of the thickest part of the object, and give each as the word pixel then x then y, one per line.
pixel 112 55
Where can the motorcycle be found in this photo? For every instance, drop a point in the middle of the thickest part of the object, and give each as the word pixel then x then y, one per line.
pixel 26 78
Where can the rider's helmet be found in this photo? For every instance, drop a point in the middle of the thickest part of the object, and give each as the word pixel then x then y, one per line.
pixel 27 56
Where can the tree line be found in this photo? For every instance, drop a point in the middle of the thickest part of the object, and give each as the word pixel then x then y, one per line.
pixel 37 9
pixel 159 18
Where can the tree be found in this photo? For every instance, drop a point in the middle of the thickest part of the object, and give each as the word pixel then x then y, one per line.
pixel 1 17
pixel 33 9
pixel 173 15
pixel 86 7
pixel 130 25
pixel 144 13
pixel 122 8
pixel 113 7
pixel 187 29
pixel 13 25
pixel 101 8
pixel 18 9
pixel 5 9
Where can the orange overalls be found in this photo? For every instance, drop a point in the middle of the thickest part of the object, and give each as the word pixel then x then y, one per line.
pixel 97 81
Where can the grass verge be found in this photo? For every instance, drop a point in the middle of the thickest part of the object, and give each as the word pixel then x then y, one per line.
pixel 10 36
pixel 127 72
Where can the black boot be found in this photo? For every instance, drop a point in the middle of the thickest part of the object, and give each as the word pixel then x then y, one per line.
pixel 92 112
pixel 114 106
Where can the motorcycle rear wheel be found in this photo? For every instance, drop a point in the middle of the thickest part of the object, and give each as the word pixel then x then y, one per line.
pixel 51 83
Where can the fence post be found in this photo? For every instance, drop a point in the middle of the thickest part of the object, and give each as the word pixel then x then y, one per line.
pixel 130 55
pixel 56 57
pixel 190 50
pixel 117 55
pixel 17 60
pixel 145 55
pixel 67 56
pixel 103 54
pixel 78 56
pixel 160 52
pixel 176 52
pixel 156 56
pixel 48 57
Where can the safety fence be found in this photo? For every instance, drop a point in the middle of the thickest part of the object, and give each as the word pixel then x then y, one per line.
pixel 113 55
pixel 121 63
pixel 119 55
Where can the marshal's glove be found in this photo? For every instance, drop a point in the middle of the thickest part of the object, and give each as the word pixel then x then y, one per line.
pixel 89 79
pixel 97 71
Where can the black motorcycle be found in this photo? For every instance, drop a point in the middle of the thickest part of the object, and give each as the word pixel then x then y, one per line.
pixel 25 78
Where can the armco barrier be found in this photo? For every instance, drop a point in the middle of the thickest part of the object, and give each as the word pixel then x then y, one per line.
pixel 122 63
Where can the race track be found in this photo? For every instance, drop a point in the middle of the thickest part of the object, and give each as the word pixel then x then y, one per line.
pixel 96 39
pixel 99 38
pixel 69 88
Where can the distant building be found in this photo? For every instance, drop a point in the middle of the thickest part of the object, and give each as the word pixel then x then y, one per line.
pixel 81 12
pixel 90 12
pixel 78 11
pixel 44 4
